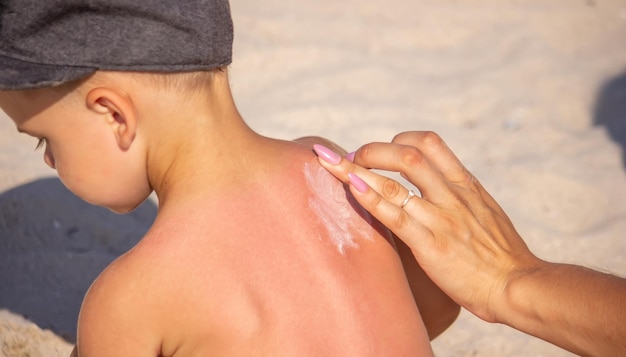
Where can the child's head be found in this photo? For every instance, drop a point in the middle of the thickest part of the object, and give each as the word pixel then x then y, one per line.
pixel 90 127
pixel 66 67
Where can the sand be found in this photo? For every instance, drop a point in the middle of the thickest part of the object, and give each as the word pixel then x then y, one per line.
pixel 530 94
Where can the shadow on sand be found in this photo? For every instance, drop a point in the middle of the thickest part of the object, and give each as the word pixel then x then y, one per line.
pixel 53 245
pixel 610 111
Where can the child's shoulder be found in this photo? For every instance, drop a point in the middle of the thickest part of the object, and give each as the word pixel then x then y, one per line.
pixel 309 141
pixel 119 300
pixel 134 300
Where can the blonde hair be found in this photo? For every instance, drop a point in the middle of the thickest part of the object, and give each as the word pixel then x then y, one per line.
pixel 183 82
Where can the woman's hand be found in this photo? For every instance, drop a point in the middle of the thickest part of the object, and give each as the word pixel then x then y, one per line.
pixel 459 235
pixel 467 245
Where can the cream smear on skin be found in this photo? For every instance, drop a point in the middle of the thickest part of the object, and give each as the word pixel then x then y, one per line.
pixel 330 205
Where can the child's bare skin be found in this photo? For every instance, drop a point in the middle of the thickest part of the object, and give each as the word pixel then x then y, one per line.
pixel 246 256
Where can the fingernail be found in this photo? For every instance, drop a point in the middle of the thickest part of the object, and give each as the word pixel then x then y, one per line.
pixel 327 154
pixel 357 182
pixel 350 156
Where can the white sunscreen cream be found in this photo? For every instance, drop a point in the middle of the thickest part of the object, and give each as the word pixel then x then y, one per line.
pixel 329 203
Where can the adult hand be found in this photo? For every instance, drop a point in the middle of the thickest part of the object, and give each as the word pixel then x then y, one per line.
pixel 459 235
pixel 468 246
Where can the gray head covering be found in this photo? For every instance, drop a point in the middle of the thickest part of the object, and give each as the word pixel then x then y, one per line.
pixel 49 42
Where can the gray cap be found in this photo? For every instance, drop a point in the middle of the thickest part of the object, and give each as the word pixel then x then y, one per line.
pixel 48 42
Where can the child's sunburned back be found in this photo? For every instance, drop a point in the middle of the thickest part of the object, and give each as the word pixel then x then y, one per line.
pixel 276 264
pixel 255 249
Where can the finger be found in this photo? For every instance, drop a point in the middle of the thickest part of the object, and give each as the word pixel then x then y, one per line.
pixel 480 202
pixel 399 220
pixel 411 163
pixel 438 154
pixel 388 188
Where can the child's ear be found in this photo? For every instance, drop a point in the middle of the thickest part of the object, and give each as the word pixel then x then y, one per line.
pixel 118 111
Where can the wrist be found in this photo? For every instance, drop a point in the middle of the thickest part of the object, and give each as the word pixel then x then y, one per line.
pixel 519 303
pixel 567 305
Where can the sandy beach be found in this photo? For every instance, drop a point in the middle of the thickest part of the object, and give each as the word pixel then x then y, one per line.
pixel 531 95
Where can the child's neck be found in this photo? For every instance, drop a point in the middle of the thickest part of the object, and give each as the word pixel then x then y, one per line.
pixel 201 145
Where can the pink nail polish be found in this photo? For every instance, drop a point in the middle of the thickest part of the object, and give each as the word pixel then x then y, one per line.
pixel 327 154
pixel 357 182
pixel 350 156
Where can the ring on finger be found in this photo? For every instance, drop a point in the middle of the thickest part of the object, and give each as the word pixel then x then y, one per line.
pixel 410 195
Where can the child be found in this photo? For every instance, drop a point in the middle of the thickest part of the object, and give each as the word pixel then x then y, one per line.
pixel 256 250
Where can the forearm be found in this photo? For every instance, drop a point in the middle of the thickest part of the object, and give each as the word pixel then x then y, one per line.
pixel 578 309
